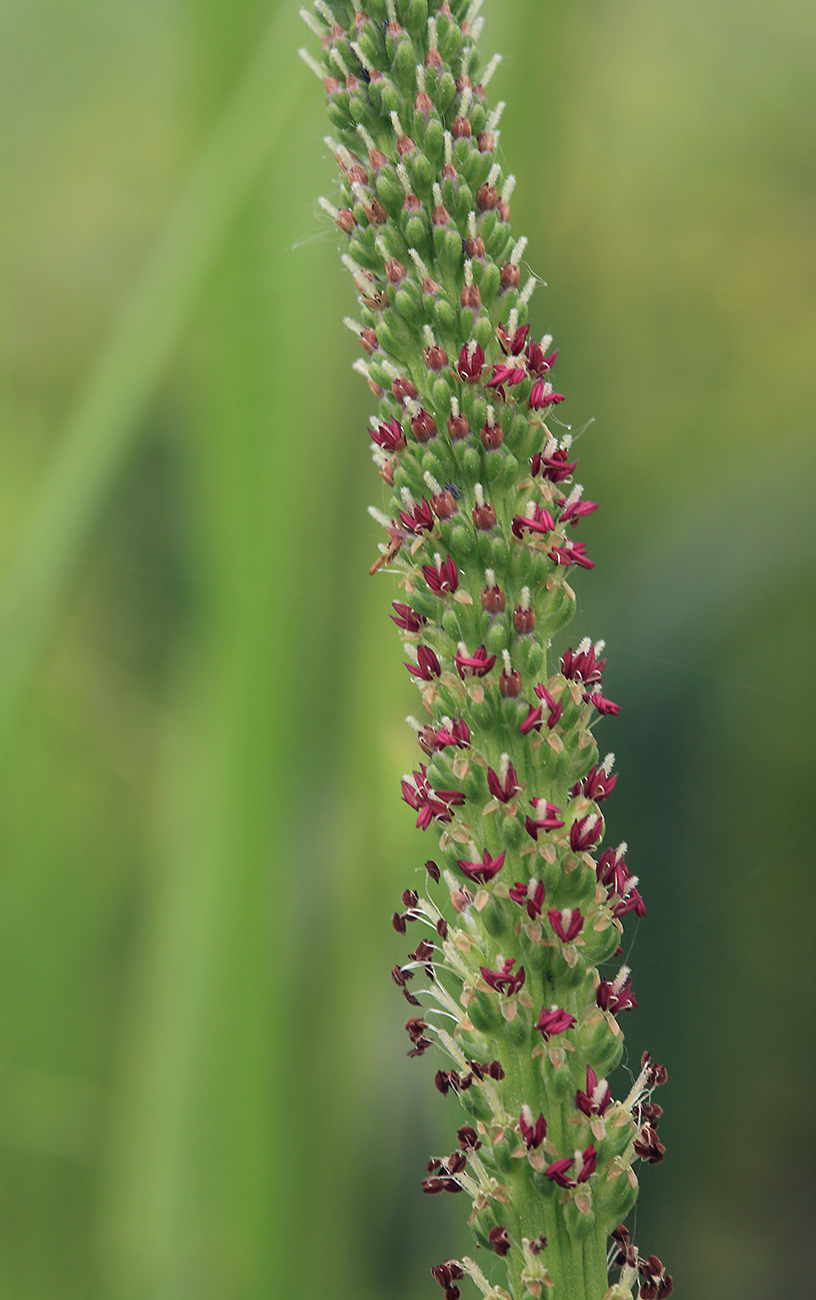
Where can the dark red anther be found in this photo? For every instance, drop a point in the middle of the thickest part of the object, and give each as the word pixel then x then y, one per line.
pixel 567 924
pixel 470 363
pixel 538 1245
pixel 398 923
pixel 493 600
pixel 436 358
pixel 482 871
pixel 492 436
pixel 388 436
pixel 510 683
pixel 523 619
pixel 657 1074
pixel 585 833
pixel 458 427
pixel 487 197
pixel 395 271
pixel 499 1239
pixel 423 105
pixel 345 220
pixel 533 1132
pixel 407 618
pixel 456 1162
pixel 402 388
pixel 423 426
pixel 432 870
pixel 554 1020
pixel 510 276
pixel 410 898
pixel 357 175
pixel 484 516
pixel 648 1145
pixel 442 928
pixel 468 1138
pixel 444 504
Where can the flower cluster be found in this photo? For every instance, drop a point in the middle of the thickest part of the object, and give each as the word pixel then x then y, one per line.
pixel 523 910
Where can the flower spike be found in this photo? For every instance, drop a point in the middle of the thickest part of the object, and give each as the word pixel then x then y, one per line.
pixel 522 905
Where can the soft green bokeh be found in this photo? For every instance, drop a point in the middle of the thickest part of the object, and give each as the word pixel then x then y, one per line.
pixel 203 1085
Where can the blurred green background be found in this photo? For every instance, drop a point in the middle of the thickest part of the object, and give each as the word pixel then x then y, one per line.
pixel 203 1084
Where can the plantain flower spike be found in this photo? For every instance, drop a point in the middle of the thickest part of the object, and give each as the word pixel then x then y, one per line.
pixel 514 980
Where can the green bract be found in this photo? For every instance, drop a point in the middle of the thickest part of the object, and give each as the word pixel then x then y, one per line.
pixel 509 976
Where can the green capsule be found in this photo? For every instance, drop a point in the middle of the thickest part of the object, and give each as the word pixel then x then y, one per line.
pixel 491 283
pixel 471 465
pixel 450 623
pixel 408 303
pixel 483 1012
pixel 458 537
pixel 434 141
pixel 497 637
pixel 379 375
pixel 495 920
pixel 474 1103
pixel 422 172
pixel 530 654
pixel 512 832
pixel 441 86
pixel 494 466
pixel 501 554
pixel 389 190
pixel 478 117
pixel 483 333
pixel 441 393
pixel 364 252
pixel 602 945
pixel 440 312
pixel 463 203
pixel 449 257
pixel 390 333
pixel 403 65
pixel 558 1081
pixel 413 14
pixel 417 231
pixel 579 1225
pixel 451 43
pixel 618 1196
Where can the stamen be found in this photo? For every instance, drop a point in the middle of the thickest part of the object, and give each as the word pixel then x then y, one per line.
pixel 379 517
pixel 311 62
pixel 333 212
pixel 517 253
pixel 312 23
pixel 527 292
pixel 369 67
pixel 418 263
pixel 490 69
pixel 339 60
pixel 495 116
